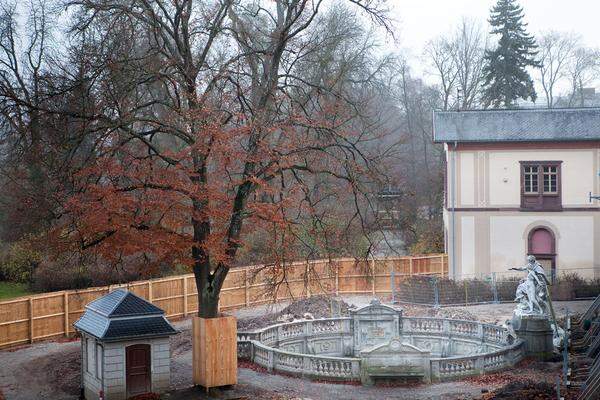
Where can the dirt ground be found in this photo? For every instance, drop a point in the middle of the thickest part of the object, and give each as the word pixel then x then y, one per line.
pixel 50 370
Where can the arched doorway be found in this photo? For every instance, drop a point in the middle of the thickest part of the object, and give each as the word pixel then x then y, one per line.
pixel 542 245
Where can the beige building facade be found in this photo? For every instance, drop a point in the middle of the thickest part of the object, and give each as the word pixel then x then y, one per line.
pixel 520 182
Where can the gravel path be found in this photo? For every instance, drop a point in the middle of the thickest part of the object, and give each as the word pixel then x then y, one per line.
pixel 50 370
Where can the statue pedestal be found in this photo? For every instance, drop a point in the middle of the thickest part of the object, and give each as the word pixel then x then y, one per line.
pixel 537 333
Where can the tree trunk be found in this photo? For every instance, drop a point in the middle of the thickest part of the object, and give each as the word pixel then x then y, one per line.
pixel 208 303
pixel 208 290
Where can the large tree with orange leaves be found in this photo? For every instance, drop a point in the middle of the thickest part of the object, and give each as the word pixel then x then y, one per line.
pixel 215 119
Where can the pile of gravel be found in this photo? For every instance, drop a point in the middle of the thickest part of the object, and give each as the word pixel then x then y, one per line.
pixel 315 307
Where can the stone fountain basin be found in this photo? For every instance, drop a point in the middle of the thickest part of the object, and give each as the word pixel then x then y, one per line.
pixel 332 349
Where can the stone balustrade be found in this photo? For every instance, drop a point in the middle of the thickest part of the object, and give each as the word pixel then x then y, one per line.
pixel 297 348
pixel 492 334
pixel 304 365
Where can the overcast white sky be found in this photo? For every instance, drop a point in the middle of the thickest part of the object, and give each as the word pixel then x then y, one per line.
pixel 421 20
pixel 418 21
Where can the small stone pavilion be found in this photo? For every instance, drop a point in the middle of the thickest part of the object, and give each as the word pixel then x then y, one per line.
pixel 124 347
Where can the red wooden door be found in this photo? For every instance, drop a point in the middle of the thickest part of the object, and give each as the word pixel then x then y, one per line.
pixel 543 246
pixel 138 369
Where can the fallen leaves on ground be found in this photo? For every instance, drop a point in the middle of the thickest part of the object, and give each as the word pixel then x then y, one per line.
pixel 529 390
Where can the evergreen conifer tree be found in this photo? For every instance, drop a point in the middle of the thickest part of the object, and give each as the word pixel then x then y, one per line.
pixel 505 72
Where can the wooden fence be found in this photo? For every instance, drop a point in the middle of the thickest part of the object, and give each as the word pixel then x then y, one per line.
pixel 43 316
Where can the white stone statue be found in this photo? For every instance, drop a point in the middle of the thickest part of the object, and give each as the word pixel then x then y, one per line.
pixel 532 292
pixel 533 296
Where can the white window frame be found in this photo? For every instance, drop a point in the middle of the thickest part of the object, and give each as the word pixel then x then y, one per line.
pixel 552 171
pixel 533 178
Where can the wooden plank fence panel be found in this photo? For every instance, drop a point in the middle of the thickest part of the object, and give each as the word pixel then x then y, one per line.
pixel 322 277
pixel 14 310
pixel 355 277
pixel 382 276
pixel 49 315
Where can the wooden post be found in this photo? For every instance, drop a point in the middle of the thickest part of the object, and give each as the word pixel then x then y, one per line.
pixel 30 320
pixel 214 351
pixel 66 305
pixel 337 279
pixel 373 276
pixel 410 270
pixel 246 287
pixel 308 294
pixel 445 265
pixel 185 296
pixel 150 291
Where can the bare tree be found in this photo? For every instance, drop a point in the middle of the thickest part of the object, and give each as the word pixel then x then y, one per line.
pixel 442 55
pixel 469 44
pixel 26 86
pixel 458 61
pixel 418 162
pixel 556 52
pixel 583 69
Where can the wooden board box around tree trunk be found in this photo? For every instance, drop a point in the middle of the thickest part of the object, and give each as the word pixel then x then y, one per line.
pixel 214 347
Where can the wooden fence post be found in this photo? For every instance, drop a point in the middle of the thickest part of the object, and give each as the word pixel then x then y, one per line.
pixel 410 270
pixel 444 264
pixel 373 276
pixel 66 306
pixel 337 279
pixel 185 296
pixel 308 293
pixel 246 288
pixel 30 320
pixel 150 291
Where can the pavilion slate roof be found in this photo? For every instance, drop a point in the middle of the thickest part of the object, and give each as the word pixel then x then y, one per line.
pixel 522 125
pixel 122 315
pixel 122 303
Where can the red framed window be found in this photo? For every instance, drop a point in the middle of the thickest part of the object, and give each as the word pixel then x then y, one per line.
pixel 541 185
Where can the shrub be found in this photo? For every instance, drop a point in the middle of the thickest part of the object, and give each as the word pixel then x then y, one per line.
pixel 19 262
pixel 583 288
pixel 507 288
pixel 451 291
pixel 51 276
pixel 416 289
pixel 478 291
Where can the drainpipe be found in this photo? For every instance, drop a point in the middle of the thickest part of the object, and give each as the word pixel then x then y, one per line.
pixel 453 213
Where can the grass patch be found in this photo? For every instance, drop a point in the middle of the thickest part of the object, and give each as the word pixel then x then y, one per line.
pixel 8 290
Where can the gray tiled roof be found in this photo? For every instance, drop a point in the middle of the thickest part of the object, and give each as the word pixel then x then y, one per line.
pixel 138 327
pixel 92 323
pixel 122 315
pixel 122 303
pixel 574 124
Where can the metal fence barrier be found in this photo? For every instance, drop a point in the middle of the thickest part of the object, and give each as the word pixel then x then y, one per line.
pixel 581 353
pixel 494 288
